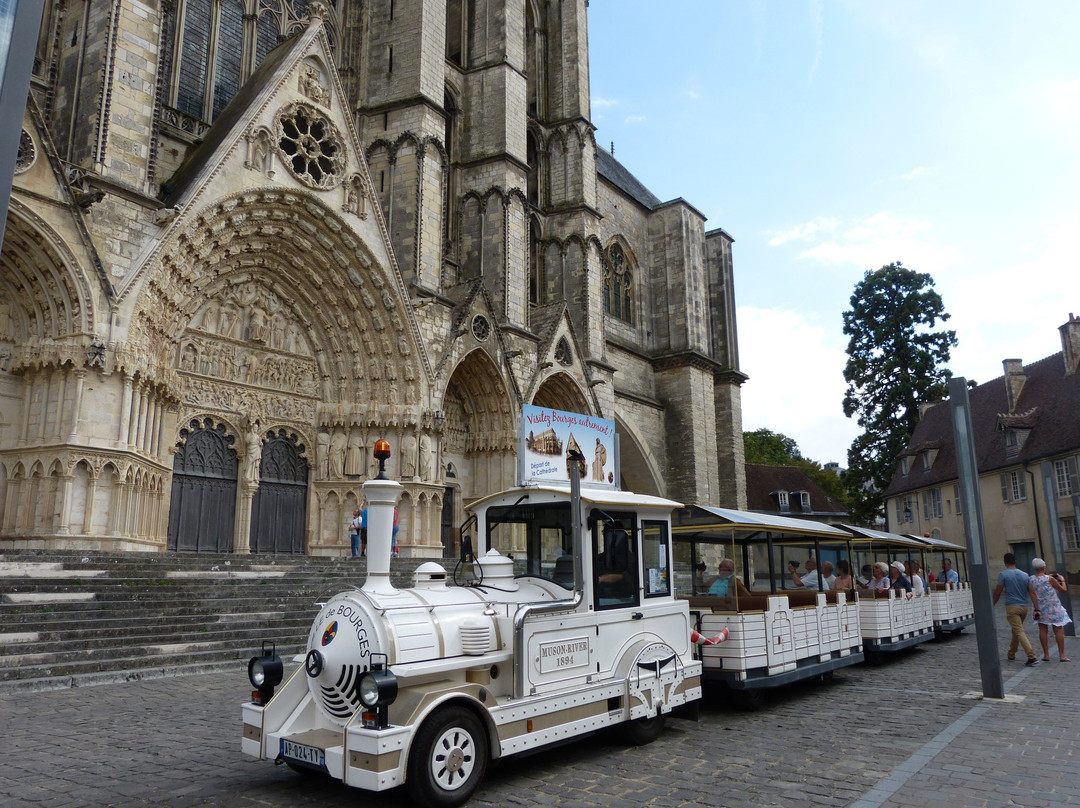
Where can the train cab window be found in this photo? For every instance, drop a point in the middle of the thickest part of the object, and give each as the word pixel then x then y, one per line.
pixel 615 567
pixel 543 531
pixel 655 558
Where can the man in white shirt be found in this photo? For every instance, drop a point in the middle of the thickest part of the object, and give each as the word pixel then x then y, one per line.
pixel 811 579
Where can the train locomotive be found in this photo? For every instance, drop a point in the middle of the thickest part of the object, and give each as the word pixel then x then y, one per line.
pixel 422 687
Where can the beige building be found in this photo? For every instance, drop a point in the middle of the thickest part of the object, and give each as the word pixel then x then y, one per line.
pixel 247 239
pixel 1027 443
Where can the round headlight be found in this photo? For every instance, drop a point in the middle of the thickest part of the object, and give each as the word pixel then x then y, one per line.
pixel 378 688
pixel 256 672
pixel 369 690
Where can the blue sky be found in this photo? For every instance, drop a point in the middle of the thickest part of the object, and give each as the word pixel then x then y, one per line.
pixel 833 137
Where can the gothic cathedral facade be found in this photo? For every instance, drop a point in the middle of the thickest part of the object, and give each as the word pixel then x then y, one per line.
pixel 247 238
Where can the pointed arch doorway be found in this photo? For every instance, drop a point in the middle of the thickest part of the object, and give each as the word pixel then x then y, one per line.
pixel 279 507
pixel 202 510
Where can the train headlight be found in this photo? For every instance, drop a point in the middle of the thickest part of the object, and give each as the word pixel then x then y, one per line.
pixel 265 673
pixel 377 689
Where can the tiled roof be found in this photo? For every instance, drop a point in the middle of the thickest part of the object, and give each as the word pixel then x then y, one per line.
pixel 1049 406
pixel 762 481
pixel 614 172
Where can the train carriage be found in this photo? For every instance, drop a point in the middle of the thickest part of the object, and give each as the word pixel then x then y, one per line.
pixel 952 602
pixel 763 631
pixel 891 619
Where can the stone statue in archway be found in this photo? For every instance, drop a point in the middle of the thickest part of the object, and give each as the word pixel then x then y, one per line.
pixel 425 458
pixel 354 455
pixel 338 446
pixel 252 454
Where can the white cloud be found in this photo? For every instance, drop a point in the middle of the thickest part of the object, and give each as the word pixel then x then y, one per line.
pixel 883 238
pixel 634 119
pixel 802 232
pixel 604 102
pixel 796 383
pixel 915 173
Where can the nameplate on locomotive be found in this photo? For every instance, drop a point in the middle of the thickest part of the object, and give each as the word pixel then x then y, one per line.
pixel 567 653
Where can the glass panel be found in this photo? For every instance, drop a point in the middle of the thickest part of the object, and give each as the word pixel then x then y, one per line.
pixel 266 36
pixel 615 564
pixel 230 46
pixel 193 58
pixel 655 559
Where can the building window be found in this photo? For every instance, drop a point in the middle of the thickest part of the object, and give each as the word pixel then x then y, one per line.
pixel 1068 533
pixel 782 502
pixel 925 504
pixel 1013 487
pixel 217 46
pixel 618 285
pixel 899 510
pixel 1065 472
pixel 935 502
pixel 804 500
pixel 905 465
pixel 909 515
pixel 956 496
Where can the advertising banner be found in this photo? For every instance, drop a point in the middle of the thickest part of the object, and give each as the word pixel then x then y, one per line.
pixel 548 435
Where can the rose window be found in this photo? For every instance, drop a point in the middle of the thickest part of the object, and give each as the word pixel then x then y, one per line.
pixel 310 146
pixel 481 328
pixel 27 153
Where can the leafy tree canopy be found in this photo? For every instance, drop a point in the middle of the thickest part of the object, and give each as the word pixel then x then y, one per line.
pixel 768 448
pixel 896 361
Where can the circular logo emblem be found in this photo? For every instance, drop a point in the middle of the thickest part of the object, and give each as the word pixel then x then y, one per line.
pixel 329 634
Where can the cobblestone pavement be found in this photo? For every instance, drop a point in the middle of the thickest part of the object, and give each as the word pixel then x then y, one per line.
pixel 910 732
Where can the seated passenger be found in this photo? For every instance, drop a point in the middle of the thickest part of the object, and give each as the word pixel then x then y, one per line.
pixel 811 579
pixel 843 580
pixel 948 575
pixel 827 574
pixel 721 585
pixel 865 576
pixel 917 585
pixel 881 577
pixel 897 579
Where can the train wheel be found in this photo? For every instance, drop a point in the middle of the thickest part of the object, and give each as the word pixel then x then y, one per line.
pixel 448 758
pixel 641 731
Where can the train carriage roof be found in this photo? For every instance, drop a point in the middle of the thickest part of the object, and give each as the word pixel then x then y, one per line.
pixel 598 496
pixel 704 522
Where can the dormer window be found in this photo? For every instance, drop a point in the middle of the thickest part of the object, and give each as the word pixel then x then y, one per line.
pixel 928 458
pixel 803 498
pixel 905 465
pixel 1014 441
pixel 782 502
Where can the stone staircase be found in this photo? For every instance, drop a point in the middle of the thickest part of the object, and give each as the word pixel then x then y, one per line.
pixel 71 618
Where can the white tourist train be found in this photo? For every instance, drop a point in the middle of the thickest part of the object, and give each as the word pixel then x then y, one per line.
pixel 421 687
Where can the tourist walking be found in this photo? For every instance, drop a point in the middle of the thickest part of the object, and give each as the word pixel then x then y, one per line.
pixel 1016 586
pixel 1048 609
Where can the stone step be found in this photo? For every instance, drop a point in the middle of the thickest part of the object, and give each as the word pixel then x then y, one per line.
pixel 77 618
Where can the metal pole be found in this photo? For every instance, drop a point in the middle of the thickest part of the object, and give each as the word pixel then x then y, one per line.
pixel 1056 543
pixel 985 630
pixel 16 64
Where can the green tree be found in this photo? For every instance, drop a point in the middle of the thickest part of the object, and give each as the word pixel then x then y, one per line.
pixel 768 448
pixel 896 362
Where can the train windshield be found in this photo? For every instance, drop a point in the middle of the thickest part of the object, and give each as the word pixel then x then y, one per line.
pixel 541 534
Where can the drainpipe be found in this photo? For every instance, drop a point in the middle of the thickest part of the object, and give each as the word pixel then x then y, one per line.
pixel 1035 503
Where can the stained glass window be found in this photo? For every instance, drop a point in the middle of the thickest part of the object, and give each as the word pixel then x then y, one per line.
pixel 618 285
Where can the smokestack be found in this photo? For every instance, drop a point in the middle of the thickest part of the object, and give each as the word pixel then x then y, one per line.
pixel 1014 381
pixel 382 496
pixel 1070 344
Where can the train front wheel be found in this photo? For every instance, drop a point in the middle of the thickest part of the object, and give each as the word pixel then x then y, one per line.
pixel 448 758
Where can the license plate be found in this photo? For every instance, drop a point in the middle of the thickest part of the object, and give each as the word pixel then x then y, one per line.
pixel 303 754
